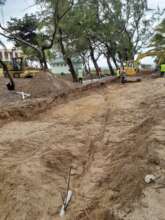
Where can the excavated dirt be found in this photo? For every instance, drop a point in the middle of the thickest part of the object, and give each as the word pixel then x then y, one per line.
pixel 111 138
pixel 42 85
pixel 44 89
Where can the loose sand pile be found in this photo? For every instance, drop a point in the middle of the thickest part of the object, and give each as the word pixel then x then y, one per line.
pixel 42 88
pixel 46 84
pixel 42 85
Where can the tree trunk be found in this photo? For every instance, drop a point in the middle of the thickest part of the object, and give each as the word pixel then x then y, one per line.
pixel 89 68
pixel 114 61
pixel 71 69
pixel 110 66
pixel 85 65
pixel 44 61
pixel 110 54
pixel 121 60
pixel 66 58
pixel 122 64
pixel 86 69
pixel 41 63
pixel 11 85
pixel 93 59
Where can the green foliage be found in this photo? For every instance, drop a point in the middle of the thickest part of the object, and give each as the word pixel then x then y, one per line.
pixel 117 29
pixel 158 42
pixel 121 26
pixel 28 28
pixel 158 39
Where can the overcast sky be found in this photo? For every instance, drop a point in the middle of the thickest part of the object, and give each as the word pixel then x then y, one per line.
pixel 20 7
pixel 17 8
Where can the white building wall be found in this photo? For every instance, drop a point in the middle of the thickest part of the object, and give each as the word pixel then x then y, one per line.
pixel 63 68
pixel 60 69
pixel 6 54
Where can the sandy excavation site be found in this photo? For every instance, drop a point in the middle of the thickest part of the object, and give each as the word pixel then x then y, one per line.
pixel 106 140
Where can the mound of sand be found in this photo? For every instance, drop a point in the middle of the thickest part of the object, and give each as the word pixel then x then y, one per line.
pixel 41 86
pixel 45 84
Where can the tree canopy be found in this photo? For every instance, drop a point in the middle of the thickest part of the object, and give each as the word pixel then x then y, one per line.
pixel 88 29
pixel 158 42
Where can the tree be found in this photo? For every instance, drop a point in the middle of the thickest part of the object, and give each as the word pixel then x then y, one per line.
pixel 11 84
pixel 54 16
pixel 124 28
pixel 28 29
pixel 158 42
pixel 118 28
pixel 77 27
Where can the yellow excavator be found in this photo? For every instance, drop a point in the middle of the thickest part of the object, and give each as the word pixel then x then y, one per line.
pixel 1 72
pixel 18 68
pixel 132 67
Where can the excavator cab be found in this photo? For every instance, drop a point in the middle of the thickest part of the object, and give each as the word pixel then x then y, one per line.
pixel 131 69
pixel 19 68
pixel 17 64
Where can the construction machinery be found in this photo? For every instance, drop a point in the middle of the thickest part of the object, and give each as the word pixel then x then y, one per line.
pixel 132 67
pixel 19 68
pixel 1 72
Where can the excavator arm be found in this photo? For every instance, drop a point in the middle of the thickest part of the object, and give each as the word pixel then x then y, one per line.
pixel 131 70
pixel 157 53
